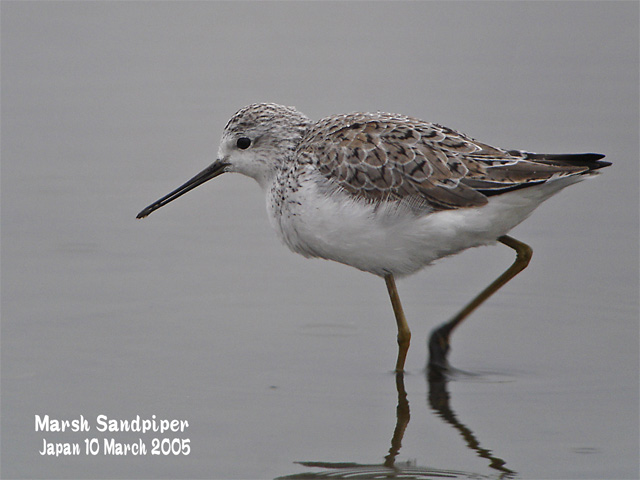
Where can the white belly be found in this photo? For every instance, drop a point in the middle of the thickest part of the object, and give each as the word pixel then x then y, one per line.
pixel 385 239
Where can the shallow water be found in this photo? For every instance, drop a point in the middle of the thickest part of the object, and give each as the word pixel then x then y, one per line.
pixel 281 365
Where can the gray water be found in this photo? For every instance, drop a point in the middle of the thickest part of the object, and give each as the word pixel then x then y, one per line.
pixel 198 314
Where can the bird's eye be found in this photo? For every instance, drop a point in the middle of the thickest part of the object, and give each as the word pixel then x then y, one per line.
pixel 243 143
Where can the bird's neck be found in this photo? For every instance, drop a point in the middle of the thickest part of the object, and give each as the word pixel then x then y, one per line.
pixel 269 170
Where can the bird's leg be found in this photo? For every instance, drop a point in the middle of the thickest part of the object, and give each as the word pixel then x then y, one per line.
pixel 439 341
pixel 404 334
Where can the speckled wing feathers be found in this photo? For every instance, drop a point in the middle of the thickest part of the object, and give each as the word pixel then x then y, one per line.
pixel 381 157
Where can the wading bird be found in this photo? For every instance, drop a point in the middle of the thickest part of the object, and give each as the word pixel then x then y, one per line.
pixel 388 194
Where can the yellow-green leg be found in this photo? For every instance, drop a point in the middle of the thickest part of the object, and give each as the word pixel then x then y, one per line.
pixel 404 334
pixel 439 341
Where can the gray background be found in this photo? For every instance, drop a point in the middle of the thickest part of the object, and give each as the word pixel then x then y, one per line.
pixel 198 313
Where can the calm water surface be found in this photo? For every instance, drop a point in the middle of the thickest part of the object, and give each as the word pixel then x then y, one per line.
pixel 281 365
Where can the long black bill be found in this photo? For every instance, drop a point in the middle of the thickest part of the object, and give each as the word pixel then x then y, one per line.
pixel 208 173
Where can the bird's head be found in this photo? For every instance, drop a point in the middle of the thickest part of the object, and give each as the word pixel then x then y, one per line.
pixel 255 142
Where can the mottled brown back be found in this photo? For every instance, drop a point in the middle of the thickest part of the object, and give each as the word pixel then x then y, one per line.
pixel 381 157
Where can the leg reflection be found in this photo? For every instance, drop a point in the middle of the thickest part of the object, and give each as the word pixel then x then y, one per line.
pixel 439 402
pixel 402 420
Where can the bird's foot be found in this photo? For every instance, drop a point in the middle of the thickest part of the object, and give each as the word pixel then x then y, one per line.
pixel 439 349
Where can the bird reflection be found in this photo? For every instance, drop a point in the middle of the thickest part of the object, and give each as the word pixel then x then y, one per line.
pixel 402 420
pixel 438 399
pixel 439 402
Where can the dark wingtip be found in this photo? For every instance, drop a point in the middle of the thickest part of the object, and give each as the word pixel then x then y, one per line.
pixel 589 160
pixel 600 164
pixel 590 157
pixel 592 160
